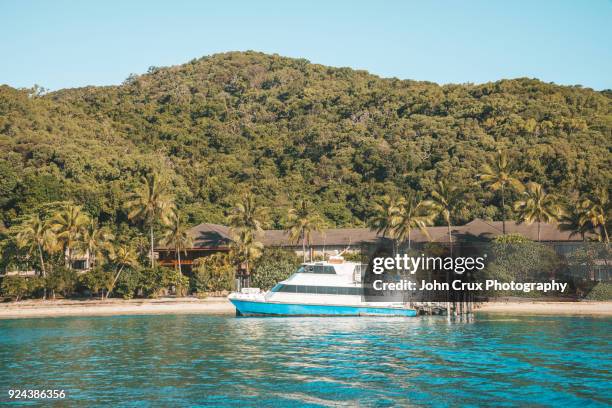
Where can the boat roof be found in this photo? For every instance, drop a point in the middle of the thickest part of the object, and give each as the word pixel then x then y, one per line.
pixel 330 263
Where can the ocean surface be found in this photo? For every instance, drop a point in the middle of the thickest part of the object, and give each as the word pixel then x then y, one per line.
pixel 190 360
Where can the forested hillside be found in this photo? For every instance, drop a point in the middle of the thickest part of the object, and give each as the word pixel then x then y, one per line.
pixel 286 129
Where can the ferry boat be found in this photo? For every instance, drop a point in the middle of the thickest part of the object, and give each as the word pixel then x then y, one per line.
pixel 327 288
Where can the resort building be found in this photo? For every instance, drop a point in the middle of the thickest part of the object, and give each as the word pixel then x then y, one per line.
pixel 212 238
pixel 207 239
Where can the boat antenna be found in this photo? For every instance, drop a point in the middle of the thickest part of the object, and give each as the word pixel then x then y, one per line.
pixel 324 239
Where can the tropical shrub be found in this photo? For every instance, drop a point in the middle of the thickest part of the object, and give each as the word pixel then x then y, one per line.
pixel 584 261
pixel 128 284
pixel 153 281
pixel 177 281
pixel 213 273
pixel 15 287
pixel 511 239
pixel 62 280
pixel 602 291
pixel 515 258
pixel 274 266
pixel 352 256
pixel 96 280
pixel 36 286
pixel 150 282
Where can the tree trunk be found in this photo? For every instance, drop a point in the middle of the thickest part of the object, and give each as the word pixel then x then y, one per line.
pixel 538 231
pixel 42 261
pixel 450 238
pixel 247 274
pixel 304 247
pixel 44 272
pixel 409 240
pixel 152 253
pixel 178 258
pixel 92 259
pixel 503 194
pixel 114 281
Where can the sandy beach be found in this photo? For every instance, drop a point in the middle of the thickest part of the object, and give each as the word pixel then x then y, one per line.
pixel 111 307
pixel 221 306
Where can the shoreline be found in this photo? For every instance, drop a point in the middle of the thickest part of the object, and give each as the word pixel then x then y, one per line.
pixel 222 306
pixel 115 307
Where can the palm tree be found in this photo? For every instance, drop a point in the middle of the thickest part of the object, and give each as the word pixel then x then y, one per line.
pixel 537 206
pixel 385 218
pixel 151 203
pixel 69 225
pixel 96 242
pixel 572 219
pixel 445 200
pixel 500 175
pixel 413 213
pixel 301 223
pixel 245 248
pixel 596 211
pixel 177 237
pixel 245 221
pixel 122 256
pixel 36 235
pixel 248 214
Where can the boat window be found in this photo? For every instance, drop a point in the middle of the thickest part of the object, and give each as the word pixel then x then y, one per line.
pixel 321 269
pixel 329 290
pixel 301 269
pixel 321 290
pixel 288 288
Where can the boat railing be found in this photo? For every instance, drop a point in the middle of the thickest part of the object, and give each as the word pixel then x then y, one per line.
pixel 358 272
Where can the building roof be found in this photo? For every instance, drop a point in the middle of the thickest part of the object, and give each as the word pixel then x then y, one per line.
pixel 477 229
pixel 482 229
pixel 215 236
pixel 208 236
pixel 332 236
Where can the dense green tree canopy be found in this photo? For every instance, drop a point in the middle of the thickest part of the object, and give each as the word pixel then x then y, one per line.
pixel 286 129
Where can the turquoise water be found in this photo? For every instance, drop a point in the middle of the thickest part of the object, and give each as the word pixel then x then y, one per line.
pixel 189 360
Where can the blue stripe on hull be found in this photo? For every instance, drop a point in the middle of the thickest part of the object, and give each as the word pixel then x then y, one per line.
pixel 247 308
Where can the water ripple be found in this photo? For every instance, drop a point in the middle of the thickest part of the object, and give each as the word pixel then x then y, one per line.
pixel 195 360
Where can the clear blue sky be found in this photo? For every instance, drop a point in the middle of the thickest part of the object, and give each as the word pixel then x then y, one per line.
pixel 60 44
